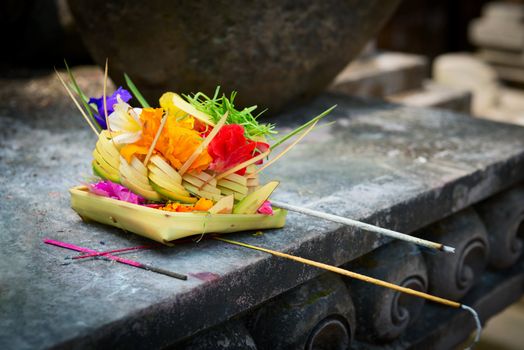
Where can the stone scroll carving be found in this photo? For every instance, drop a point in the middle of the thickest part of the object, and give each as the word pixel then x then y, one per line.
pixel 231 335
pixel 383 314
pixel 453 275
pixel 318 314
pixel 503 216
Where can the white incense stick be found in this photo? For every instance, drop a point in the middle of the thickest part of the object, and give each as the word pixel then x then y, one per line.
pixel 364 226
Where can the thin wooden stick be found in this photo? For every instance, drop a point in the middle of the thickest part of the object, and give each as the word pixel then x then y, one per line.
pixel 287 149
pixel 364 226
pixel 155 140
pixel 367 279
pixel 347 273
pixel 243 165
pixel 104 98
pixel 77 104
pixel 114 251
pixel 204 144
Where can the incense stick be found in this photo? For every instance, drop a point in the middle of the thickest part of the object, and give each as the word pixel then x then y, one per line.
pixel 109 252
pixel 76 103
pixel 116 258
pixel 365 278
pixel 364 226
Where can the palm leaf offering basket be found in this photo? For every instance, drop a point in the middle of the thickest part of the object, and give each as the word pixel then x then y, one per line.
pixel 186 168
pixel 164 226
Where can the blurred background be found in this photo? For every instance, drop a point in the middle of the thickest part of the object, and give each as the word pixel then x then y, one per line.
pixel 462 55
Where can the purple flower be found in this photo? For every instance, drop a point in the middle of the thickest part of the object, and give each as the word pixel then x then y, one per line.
pixel 265 208
pixel 111 100
pixel 113 190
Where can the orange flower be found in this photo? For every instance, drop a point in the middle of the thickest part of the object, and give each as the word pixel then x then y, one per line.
pixel 201 205
pixel 176 143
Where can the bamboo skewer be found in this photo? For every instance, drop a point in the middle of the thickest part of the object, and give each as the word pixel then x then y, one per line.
pixel 367 279
pixel 104 99
pixel 364 226
pixel 203 145
pixel 242 165
pixel 155 140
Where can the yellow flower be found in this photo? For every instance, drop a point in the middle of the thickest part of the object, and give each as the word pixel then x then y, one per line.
pixel 125 123
pixel 184 120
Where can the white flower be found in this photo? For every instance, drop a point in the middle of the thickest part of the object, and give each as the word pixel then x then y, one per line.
pixel 125 123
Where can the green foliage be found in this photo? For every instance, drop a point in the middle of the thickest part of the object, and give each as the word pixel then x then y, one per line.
pixel 135 92
pixel 302 127
pixel 218 105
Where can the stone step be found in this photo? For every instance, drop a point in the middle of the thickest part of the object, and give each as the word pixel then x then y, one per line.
pixel 498 34
pixel 381 74
pixel 437 96
pixel 502 57
pixel 510 74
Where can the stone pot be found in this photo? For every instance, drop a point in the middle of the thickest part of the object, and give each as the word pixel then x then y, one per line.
pixel 274 52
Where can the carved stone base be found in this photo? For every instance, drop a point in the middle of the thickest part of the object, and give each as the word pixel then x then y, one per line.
pixel 503 216
pixel 316 315
pixel 383 314
pixel 452 275
pixel 232 335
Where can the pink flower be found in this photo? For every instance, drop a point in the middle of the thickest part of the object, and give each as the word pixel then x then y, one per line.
pixel 266 208
pixel 113 190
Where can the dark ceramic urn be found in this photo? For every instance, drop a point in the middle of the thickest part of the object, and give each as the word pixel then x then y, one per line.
pixel 274 53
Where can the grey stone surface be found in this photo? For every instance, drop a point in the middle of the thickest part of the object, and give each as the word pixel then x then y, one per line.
pixel 274 52
pixel 398 167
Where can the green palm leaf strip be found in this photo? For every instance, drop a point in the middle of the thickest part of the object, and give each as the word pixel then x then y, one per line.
pixel 302 127
pixel 135 91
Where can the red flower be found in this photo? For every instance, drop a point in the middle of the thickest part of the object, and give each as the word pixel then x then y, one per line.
pixel 230 147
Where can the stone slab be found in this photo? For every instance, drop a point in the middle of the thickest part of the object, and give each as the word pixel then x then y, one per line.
pixel 381 74
pixel 398 167
pixel 510 74
pixel 437 96
pixel 497 33
pixel 505 58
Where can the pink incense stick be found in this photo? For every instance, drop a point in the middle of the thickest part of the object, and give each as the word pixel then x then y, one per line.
pixel 116 258
pixel 108 252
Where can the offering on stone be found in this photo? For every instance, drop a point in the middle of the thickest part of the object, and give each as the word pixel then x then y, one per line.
pixel 189 166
